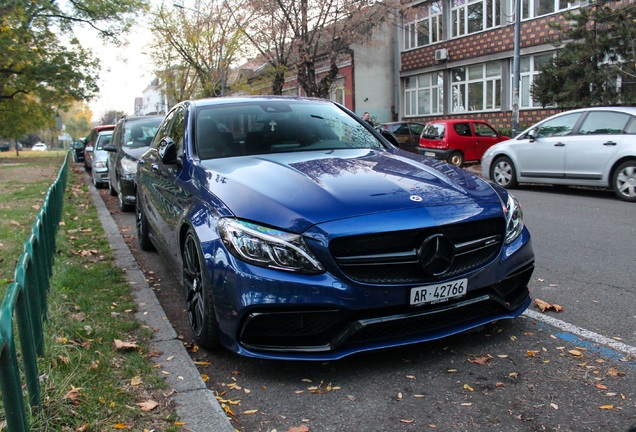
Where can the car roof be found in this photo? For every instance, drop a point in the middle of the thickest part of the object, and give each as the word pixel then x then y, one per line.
pixel 625 109
pixel 459 120
pixel 401 122
pixel 252 99
pixel 104 127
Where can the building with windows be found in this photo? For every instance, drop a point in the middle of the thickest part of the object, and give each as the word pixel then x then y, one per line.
pixel 456 58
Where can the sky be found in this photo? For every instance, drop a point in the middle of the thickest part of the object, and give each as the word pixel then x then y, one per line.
pixel 125 71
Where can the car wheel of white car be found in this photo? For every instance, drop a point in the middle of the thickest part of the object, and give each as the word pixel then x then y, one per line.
pixel 95 182
pixel 503 173
pixel 199 303
pixel 624 181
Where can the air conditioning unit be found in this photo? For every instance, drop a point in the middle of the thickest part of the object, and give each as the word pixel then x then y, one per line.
pixel 441 54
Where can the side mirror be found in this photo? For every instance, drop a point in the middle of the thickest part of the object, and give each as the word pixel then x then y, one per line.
pixel 532 134
pixel 168 151
pixel 109 147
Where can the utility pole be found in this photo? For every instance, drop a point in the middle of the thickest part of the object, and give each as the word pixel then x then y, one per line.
pixel 515 69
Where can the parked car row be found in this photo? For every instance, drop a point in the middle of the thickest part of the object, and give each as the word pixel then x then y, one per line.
pixel 300 232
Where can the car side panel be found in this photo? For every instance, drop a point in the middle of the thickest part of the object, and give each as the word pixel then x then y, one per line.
pixel 587 156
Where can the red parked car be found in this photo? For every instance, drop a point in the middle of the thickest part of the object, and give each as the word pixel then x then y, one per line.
pixel 458 140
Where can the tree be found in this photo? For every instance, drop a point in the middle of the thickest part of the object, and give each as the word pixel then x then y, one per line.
pixel 44 67
pixel 77 120
pixel 269 34
pixel 324 29
pixel 110 117
pixel 597 66
pixel 197 45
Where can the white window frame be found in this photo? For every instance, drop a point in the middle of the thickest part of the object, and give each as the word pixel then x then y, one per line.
pixel 428 16
pixel 531 8
pixel 424 94
pixel 527 73
pixel 484 77
pixel 461 11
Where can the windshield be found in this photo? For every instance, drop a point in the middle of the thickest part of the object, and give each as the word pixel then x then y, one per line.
pixel 277 126
pixel 102 140
pixel 434 131
pixel 139 133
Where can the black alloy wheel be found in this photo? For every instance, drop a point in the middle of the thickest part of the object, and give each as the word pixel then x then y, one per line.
pixel 199 304
pixel 120 196
pixel 143 233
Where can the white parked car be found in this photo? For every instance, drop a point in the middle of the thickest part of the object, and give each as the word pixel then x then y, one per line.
pixel 39 147
pixel 583 147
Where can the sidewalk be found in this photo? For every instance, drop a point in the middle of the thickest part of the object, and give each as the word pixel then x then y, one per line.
pixel 196 404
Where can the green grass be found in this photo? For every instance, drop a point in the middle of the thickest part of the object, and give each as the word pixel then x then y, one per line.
pixel 87 383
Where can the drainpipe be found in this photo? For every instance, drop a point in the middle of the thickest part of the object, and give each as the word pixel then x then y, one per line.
pixel 396 69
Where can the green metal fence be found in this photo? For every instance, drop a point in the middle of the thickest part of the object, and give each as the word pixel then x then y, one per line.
pixel 24 309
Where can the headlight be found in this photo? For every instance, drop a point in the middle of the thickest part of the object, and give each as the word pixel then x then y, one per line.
pixel 128 166
pixel 100 164
pixel 514 219
pixel 267 247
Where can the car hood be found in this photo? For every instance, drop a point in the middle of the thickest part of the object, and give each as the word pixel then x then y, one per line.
pixel 298 190
pixel 134 153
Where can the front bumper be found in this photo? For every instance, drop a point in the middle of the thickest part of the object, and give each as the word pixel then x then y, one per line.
pixel 100 175
pixel 270 314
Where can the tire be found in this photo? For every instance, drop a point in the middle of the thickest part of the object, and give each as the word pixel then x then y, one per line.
pixel 502 172
pixel 120 196
pixel 199 303
pixel 143 233
pixel 624 181
pixel 111 189
pixel 96 183
pixel 456 158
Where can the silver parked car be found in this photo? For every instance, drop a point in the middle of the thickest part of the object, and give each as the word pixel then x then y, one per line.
pixel 583 147
pixel 99 159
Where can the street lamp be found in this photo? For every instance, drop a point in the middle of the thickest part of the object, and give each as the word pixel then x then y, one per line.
pixel 221 67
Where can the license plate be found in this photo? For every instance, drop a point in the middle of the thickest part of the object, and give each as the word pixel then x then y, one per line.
pixel 429 154
pixel 438 293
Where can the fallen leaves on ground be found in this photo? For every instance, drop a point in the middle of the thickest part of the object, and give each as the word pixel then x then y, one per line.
pixel 121 345
pixel 544 306
pixel 148 405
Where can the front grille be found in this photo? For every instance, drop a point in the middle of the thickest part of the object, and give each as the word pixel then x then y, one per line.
pixel 391 257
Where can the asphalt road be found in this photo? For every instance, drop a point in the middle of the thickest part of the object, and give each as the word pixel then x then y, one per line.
pixel 521 375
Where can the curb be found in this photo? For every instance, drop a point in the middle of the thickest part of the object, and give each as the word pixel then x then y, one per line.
pixel 196 405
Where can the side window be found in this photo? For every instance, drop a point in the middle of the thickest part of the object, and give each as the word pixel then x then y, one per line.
pixel 402 130
pixel 116 139
pixel 631 127
pixel 163 129
pixel 462 129
pixel 603 123
pixel 559 126
pixel 177 130
pixel 484 130
pixel 416 129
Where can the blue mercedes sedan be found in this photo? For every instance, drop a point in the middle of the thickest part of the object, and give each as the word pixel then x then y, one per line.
pixel 300 233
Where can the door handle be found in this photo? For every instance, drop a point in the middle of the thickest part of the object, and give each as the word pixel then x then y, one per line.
pixel 559 144
pixel 609 143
